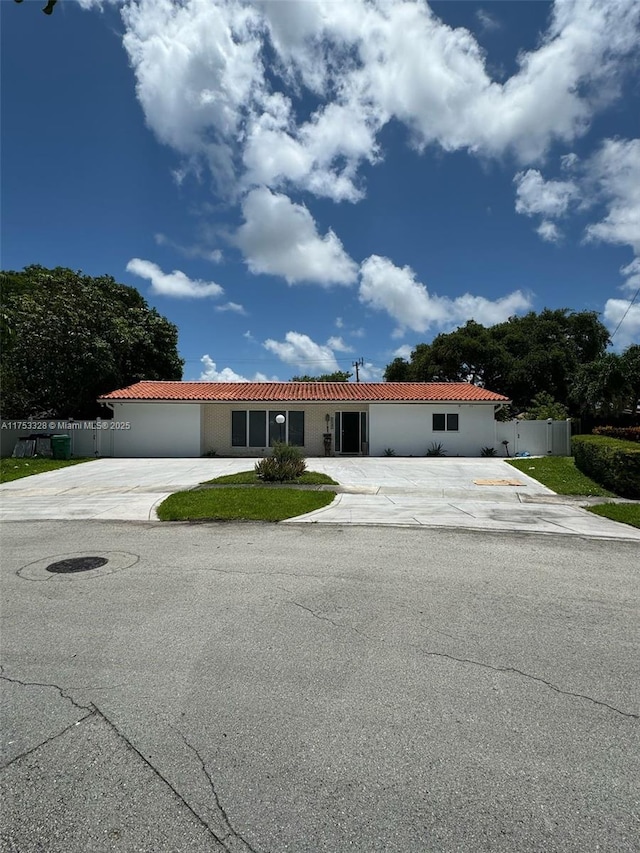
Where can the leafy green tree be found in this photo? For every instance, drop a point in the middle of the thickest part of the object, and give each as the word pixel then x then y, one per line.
pixel 336 376
pixel 543 407
pixel 609 385
pixel 70 338
pixel 519 358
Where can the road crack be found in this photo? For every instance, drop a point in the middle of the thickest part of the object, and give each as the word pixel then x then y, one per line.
pixel 326 618
pixel 155 770
pixel 233 832
pixel 530 677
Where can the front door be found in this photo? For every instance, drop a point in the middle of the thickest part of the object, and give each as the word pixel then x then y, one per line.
pixel 351 432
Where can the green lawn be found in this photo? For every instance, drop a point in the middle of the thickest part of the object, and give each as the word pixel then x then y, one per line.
pixel 14 469
pixel 625 513
pixel 560 474
pixel 244 478
pixel 263 504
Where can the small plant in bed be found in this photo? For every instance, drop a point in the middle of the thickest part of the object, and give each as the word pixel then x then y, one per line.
pixel 435 449
pixel 284 465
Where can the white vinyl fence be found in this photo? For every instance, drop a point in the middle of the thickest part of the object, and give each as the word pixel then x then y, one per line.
pixel 537 438
pixel 88 438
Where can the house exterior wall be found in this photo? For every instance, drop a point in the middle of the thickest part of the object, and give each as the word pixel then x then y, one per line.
pixel 216 425
pixel 157 430
pixel 406 428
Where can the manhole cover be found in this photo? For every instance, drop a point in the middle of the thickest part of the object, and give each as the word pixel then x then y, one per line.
pixel 65 568
pixel 77 564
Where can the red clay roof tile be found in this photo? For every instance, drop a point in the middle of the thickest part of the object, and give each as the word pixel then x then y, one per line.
pixel 289 392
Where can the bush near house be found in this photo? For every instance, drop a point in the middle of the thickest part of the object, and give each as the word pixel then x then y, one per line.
pixel 286 464
pixel 611 462
pixel 631 433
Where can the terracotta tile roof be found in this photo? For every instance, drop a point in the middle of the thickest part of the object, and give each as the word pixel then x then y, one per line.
pixel 290 392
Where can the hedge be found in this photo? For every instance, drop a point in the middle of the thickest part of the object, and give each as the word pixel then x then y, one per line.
pixel 611 462
pixel 629 433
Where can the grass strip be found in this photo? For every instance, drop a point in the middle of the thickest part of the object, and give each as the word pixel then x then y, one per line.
pixel 249 478
pixel 241 504
pixel 624 513
pixel 15 469
pixel 560 474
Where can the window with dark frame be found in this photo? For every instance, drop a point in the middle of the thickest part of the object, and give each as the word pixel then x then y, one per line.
pixel 448 423
pixel 263 429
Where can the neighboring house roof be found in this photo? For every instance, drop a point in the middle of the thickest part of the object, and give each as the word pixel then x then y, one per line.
pixel 293 392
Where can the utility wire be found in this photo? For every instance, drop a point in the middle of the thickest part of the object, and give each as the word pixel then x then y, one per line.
pixel 625 313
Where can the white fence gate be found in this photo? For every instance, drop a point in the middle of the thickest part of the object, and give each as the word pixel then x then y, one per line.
pixel 538 438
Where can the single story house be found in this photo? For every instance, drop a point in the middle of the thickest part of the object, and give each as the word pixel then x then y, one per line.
pixel 188 419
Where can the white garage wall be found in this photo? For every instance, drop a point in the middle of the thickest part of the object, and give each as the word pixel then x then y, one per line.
pixel 157 429
pixel 406 428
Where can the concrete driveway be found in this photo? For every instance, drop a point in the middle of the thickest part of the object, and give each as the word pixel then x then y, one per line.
pixel 399 491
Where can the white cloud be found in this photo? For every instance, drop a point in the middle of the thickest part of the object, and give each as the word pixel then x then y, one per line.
pixel 210 373
pixel 370 373
pixel 534 195
pixel 631 270
pixel 629 329
pixel 614 172
pixel 548 231
pixel 175 284
pixel 301 351
pixel 339 345
pixel 234 307
pixel 279 237
pixel 393 289
pixel 403 352
pixel 487 22
pixel 203 88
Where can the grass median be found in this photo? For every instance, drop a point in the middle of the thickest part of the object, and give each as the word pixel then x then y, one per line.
pixel 15 469
pixel 624 513
pixel 249 478
pixel 241 504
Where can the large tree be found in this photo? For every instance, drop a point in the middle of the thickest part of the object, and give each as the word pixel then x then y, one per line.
pixel 68 338
pixel 520 358
pixel 609 386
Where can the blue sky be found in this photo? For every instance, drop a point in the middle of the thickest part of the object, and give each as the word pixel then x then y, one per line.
pixel 298 184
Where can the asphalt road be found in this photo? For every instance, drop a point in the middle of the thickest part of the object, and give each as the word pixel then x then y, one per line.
pixel 318 688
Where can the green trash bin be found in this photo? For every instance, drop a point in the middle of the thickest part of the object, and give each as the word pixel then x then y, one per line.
pixel 61 446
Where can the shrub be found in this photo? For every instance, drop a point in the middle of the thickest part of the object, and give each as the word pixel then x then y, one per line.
pixel 435 449
pixel 285 464
pixel 389 451
pixel 488 451
pixel 626 433
pixel 611 462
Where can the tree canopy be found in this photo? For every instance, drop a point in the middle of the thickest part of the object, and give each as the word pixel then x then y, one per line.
pixel 520 358
pixel 69 338
pixel 336 376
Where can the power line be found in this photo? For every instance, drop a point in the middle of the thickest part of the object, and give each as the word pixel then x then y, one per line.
pixel 625 313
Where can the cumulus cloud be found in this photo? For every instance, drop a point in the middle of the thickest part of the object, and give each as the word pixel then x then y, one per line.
pixel 548 231
pixel 535 195
pixel 632 272
pixel 202 84
pixel 614 171
pixel 339 345
pixel 300 351
pixel 386 287
pixel 403 352
pixel 620 314
pixel 279 237
pixel 175 284
pixel 210 373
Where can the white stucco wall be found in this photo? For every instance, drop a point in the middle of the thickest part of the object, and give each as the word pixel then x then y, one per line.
pixel 407 428
pixel 157 430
